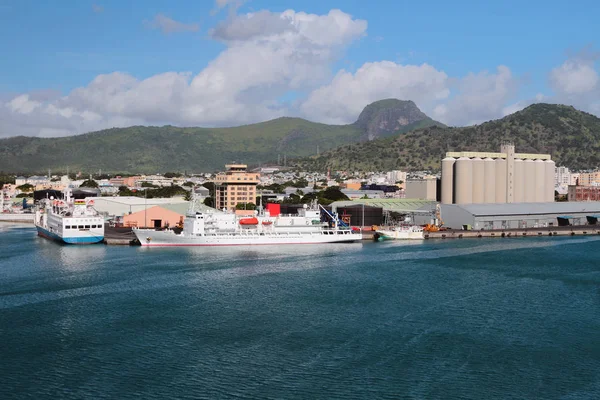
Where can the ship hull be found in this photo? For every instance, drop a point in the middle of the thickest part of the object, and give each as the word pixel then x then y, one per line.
pixel 398 235
pixel 150 238
pixel 45 233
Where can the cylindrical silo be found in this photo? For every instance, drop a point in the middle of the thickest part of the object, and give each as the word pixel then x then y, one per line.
pixel 501 188
pixel 463 181
pixel 478 180
pixel 489 176
pixel 448 180
pixel 519 181
pixel 540 181
pixel 529 182
pixel 549 184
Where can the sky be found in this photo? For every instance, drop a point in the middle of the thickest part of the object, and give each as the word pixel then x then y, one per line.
pixel 77 66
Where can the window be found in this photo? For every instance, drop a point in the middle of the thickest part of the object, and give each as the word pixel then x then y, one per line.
pixel 68 227
pixel 87 227
pixel 80 226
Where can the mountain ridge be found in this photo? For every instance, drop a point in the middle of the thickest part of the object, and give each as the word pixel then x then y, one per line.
pixel 150 149
pixel 570 136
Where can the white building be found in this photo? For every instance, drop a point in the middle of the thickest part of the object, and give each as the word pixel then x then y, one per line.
pixel 396 176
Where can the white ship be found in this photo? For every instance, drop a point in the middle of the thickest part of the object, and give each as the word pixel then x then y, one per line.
pixel 402 232
pixel 216 228
pixel 69 221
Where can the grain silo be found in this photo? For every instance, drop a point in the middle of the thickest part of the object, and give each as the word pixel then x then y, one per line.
pixel 529 181
pixel 463 181
pixel 540 181
pixel 500 180
pixel 549 165
pixel 519 181
pixel 489 175
pixel 448 180
pixel 478 180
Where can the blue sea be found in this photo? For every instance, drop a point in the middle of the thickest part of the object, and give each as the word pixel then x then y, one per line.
pixel 513 318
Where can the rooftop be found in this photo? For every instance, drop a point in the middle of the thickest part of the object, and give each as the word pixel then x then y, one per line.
pixel 531 208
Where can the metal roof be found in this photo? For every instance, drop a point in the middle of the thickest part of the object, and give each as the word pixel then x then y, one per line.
pixel 565 208
pixel 396 205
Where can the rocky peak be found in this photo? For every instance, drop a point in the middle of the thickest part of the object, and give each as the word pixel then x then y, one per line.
pixel 384 117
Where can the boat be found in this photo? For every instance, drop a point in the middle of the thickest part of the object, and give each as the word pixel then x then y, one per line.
pixel 211 227
pixel 401 232
pixel 69 221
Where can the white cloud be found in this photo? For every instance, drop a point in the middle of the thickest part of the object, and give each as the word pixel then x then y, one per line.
pixel 575 76
pixel 268 55
pixel 343 99
pixel 478 97
pixel 169 25
pixel 241 85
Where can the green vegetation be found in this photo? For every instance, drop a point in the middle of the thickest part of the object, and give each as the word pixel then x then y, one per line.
pixel 245 206
pixel 167 191
pixel 141 149
pixel 570 136
pixel 89 184
pixel 324 197
pixel 25 188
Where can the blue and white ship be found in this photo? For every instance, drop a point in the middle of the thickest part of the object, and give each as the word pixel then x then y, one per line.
pixel 69 221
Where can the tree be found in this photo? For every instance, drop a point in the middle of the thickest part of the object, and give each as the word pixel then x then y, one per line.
pixel 90 183
pixel 209 201
pixel 172 175
pixel 147 185
pixel 25 188
pixel 188 184
pixel 188 196
pixel 245 206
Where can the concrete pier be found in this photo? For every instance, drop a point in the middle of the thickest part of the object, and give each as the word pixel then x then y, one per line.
pixel 586 230
pixel 21 218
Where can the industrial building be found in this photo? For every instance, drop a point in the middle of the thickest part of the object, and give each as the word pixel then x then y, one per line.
pixel 235 186
pixel 519 215
pixel 505 177
pixel 420 211
pixel 425 189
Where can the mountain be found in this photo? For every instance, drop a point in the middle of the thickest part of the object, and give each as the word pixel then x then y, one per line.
pixel 392 116
pixel 149 149
pixel 572 137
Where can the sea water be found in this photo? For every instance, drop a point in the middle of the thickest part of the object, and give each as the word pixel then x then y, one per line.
pixel 453 319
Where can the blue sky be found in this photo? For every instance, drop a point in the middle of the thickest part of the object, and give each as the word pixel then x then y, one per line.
pixel 52 48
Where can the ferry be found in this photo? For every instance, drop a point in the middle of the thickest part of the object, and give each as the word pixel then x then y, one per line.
pixel 220 228
pixel 69 221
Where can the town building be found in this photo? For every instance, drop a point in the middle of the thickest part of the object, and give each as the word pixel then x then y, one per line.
pixel 505 177
pixel 583 193
pixel 234 186
pixel 589 178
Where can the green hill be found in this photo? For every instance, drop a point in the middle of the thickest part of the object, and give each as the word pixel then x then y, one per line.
pixel 141 149
pixel 572 137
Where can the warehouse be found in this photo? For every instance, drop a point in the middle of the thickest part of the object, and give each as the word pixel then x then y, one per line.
pixel 519 215
pixel 421 211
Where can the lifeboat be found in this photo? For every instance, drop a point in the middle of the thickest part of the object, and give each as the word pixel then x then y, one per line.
pixel 267 222
pixel 249 221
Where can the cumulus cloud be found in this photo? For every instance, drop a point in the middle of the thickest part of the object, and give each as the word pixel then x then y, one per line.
pixel 169 25
pixel 241 85
pixel 478 97
pixel 575 82
pixel 269 55
pixel 343 99
pixel 575 76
